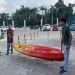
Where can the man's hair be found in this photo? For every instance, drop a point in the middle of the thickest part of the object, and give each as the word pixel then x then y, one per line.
pixel 63 20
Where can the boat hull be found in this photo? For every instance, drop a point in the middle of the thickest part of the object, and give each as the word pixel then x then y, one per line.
pixel 46 53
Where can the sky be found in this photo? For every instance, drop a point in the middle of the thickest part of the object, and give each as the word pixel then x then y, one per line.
pixel 10 6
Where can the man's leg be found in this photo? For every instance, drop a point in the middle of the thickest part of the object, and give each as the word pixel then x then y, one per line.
pixel 0 53
pixel 11 48
pixel 8 48
pixel 62 66
pixel 66 57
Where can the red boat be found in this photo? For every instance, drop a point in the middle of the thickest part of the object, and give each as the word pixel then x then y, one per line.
pixel 37 51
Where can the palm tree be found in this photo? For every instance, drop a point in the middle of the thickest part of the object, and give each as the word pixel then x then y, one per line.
pixel 43 9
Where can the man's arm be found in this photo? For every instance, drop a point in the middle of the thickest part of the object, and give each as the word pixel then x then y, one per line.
pixel 70 37
pixel 61 39
pixel 61 43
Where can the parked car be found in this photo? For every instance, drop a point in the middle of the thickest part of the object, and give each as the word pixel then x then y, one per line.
pixel 55 28
pixel 5 28
pixel 46 27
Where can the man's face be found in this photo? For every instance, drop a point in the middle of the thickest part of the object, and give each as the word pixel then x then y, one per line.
pixel 62 23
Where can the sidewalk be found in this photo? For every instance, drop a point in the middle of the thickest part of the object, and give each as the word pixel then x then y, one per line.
pixel 17 64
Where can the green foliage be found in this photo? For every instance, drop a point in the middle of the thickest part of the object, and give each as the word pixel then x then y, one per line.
pixel 33 18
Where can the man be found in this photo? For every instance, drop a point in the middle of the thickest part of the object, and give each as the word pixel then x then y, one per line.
pixel 65 44
pixel 9 40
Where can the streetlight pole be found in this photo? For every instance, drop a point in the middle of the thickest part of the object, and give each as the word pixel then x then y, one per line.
pixel 3 23
pixel 24 23
pixel 57 20
pixel 12 23
pixel 41 21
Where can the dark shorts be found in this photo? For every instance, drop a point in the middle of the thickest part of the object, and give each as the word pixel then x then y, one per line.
pixel 9 40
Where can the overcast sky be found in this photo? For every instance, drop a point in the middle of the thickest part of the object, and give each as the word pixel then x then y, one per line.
pixel 11 5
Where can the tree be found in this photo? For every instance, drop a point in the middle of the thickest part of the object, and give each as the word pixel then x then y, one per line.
pixel 63 10
pixel 20 15
pixel 4 17
pixel 30 15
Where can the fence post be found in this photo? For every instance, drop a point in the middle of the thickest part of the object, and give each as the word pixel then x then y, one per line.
pixel 18 39
pixel 25 41
pixel 34 35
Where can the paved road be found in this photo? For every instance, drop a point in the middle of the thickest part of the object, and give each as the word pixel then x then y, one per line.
pixel 17 64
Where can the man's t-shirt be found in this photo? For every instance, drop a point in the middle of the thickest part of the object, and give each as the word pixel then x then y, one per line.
pixel 10 36
pixel 66 35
